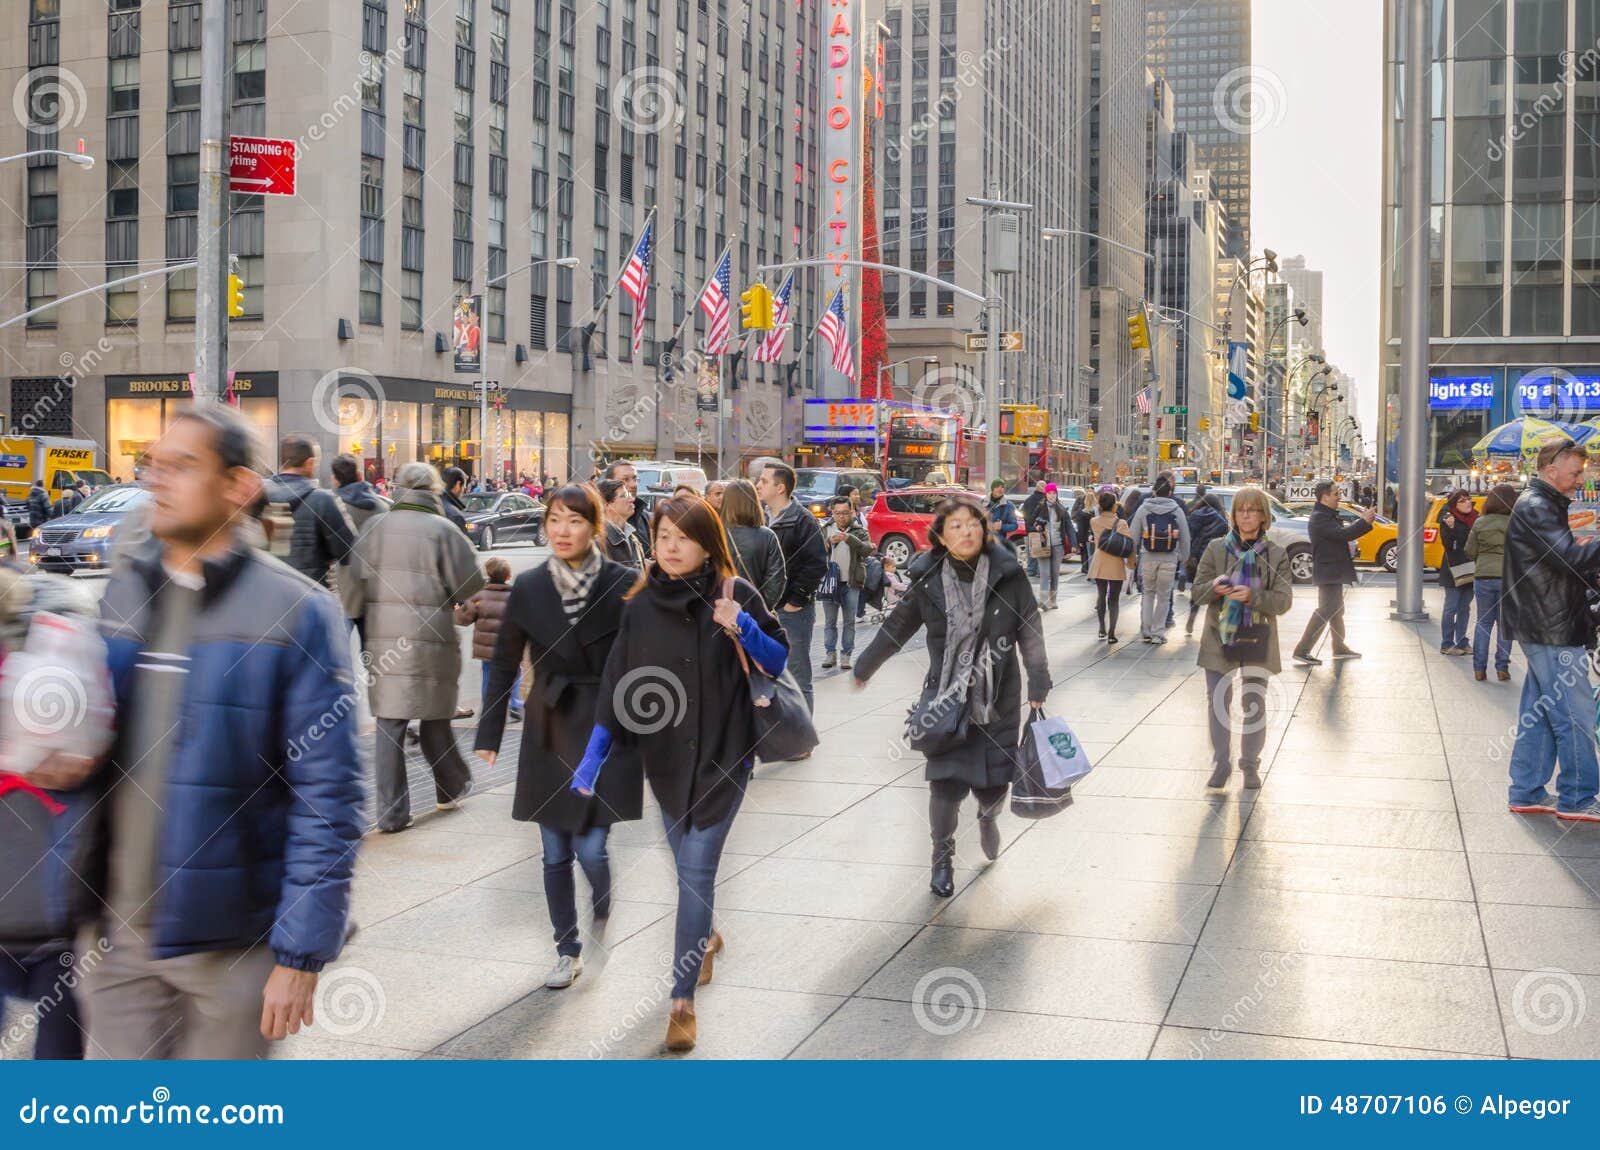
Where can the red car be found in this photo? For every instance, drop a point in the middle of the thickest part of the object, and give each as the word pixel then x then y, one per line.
pixel 898 522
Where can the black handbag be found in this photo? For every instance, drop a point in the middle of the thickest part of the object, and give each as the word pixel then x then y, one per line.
pixel 1249 643
pixel 937 724
pixel 1115 543
pixel 784 729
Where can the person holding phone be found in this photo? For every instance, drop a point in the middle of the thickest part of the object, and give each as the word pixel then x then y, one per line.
pixel 1245 583
pixel 1332 568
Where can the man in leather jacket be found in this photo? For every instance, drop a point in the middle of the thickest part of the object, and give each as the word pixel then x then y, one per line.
pixel 1548 576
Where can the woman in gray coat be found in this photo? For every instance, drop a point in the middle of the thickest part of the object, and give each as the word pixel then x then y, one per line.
pixel 1244 582
pixel 414 566
pixel 757 554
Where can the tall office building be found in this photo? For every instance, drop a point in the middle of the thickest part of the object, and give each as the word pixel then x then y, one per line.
pixel 1184 234
pixel 1115 194
pixel 980 100
pixel 1307 284
pixel 1202 47
pixel 1239 305
pixel 443 144
pixel 1514 235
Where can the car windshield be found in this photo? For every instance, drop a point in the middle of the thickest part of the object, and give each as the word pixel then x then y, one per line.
pixel 479 502
pixel 816 482
pixel 648 477
pixel 93 477
pixel 113 500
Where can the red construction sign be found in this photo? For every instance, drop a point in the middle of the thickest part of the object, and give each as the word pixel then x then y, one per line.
pixel 262 167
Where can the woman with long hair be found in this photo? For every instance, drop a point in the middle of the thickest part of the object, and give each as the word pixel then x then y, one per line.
pixel 564 616
pixel 1107 570
pixel 1456 518
pixel 1486 549
pixel 675 691
pixel 757 554
pixel 1244 582
pixel 972 595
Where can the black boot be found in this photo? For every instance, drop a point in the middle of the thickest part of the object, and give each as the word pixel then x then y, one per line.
pixel 943 882
pixel 943 815
pixel 989 830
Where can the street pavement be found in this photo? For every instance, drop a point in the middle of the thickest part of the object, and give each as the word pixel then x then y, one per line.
pixel 1374 899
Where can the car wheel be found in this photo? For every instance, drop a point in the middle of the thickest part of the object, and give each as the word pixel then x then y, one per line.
pixel 1389 557
pixel 898 548
pixel 1300 565
pixel 486 540
pixel 537 535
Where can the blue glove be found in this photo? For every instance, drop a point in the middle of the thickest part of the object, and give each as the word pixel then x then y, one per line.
pixel 594 756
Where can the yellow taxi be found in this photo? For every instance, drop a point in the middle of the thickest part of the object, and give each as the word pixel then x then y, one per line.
pixel 1432 549
pixel 1380 546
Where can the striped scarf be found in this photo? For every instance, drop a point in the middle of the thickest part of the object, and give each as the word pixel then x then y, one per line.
pixel 574 585
pixel 1236 615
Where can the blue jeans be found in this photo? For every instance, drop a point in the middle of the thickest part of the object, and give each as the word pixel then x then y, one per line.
pixel 38 986
pixel 560 891
pixel 1556 723
pixel 799 626
pixel 1457 614
pixel 1050 573
pixel 697 852
pixel 1486 593
pixel 516 690
pixel 849 599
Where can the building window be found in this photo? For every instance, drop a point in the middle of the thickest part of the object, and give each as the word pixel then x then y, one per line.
pixel 411 299
pixel 372 186
pixel 183 70
pixel 41 290
pixel 371 292
pixel 250 71
pixel 42 202
pixel 180 296
pixel 124 80
pixel 183 183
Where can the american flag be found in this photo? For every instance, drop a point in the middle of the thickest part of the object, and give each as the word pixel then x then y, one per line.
pixel 771 346
pixel 715 303
pixel 636 278
pixel 835 328
pixel 1142 401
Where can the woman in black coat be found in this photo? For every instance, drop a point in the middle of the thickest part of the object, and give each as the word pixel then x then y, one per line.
pixel 965 630
pixel 565 615
pixel 675 689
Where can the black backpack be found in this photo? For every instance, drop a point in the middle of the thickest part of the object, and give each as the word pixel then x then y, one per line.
pixel 1161 532
pixel 872 589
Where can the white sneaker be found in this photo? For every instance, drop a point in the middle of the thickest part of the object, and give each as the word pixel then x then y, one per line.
pixel 565 972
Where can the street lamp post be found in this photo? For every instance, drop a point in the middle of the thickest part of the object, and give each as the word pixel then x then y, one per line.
pixel 483 381
pixel 77 158
pixel 991 358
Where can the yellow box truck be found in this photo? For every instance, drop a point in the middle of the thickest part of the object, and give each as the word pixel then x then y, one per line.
pixel 57 463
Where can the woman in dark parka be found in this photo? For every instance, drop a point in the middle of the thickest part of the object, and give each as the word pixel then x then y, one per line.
pixel 565 615
pixel 973 597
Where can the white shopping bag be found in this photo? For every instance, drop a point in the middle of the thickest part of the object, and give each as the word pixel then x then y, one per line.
pixel 1061 755
pixel 55 694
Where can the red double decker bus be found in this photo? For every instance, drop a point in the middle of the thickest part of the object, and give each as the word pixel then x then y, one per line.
pixel 924 448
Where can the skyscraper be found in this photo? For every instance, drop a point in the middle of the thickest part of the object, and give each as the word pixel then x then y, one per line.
pixel 1202 47
pixel 1307 284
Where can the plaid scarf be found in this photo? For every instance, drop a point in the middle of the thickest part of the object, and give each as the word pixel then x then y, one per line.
pixel 574 584
pixel 1236 615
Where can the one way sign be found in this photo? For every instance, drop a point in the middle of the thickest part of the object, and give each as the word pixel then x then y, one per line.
pixel 1009 341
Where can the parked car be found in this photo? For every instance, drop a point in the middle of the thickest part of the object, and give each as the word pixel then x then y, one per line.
pixel 898 521
pixel 815 487
pixel 667 475
pixel 1379 546
pixel 503 517
pixel 82 541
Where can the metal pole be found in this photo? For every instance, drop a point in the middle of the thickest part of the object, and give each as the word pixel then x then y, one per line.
pixel 211 276
pixel 991 371
pixel 1415 162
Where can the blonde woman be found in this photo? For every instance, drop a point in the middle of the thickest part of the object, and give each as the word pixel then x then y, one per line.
pixel 1244 582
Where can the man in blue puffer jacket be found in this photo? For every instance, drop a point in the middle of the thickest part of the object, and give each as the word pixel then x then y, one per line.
pixel 231 799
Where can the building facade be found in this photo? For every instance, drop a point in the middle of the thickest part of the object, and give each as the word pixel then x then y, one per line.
pixel 1514 221
pixel 443 146
pixel 1307 284
pixel 1202 47
pixel 980 100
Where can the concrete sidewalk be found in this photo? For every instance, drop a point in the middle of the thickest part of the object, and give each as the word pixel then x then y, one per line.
pixel 1374 899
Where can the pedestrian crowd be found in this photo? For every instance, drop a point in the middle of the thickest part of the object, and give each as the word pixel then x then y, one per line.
pixel 205 858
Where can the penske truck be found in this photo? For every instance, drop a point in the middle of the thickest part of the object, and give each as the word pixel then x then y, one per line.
pixel 58 463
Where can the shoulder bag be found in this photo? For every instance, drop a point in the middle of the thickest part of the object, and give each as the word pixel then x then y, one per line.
pixel 784 729
pixel 1250 642
pixel 1114 542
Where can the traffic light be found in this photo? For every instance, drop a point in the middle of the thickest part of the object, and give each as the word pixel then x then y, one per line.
pixel 755 307
pixel 1173 451
pixel 235 296
pixel 1205 423
pixel 1138 331
pixel 1255 421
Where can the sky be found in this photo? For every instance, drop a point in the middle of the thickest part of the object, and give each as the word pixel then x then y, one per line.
pixel 1316 165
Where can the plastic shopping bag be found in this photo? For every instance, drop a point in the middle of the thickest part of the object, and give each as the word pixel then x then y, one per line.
pixel 55 695
pixel 1032 795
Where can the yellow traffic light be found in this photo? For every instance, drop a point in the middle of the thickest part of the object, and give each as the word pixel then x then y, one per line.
pixel 1255 421
pixel 755 307
pixel 1204 423
pixel 1172 451
pixel 1138 331
pixel 235 296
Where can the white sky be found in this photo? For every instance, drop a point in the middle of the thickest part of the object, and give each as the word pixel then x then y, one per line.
pixel 1316 165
